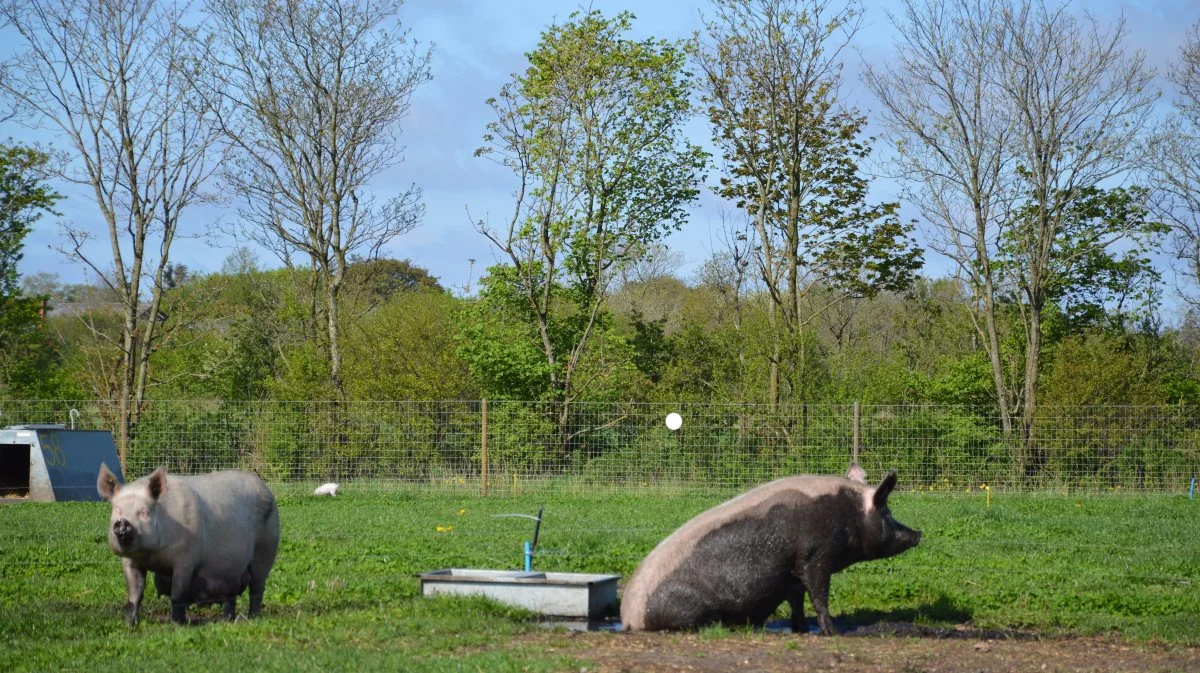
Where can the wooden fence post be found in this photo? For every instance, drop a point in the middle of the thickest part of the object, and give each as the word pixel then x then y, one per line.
pixel 857 420
pixel 483 457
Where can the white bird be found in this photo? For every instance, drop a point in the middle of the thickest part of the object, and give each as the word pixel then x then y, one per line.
pixel 329 489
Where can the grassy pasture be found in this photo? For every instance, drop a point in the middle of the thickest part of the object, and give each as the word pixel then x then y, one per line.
pixel 343 595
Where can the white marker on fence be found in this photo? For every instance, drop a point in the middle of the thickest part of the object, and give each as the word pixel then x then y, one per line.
pixel 674 421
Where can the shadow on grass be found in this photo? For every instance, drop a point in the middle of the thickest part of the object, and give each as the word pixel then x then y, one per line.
pixel 57 618
pixel 944 609
pixel 943 618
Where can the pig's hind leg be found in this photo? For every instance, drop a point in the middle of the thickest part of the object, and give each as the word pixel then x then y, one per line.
pixel 229 605
pixel 181 593
pixel 265 548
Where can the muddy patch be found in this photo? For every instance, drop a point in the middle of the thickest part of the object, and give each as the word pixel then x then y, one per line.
pixel 906 649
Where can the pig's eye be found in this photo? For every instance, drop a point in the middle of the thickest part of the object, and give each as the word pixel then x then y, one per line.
pixel 141 512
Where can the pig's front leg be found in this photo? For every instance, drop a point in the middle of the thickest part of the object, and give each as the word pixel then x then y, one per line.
pixel 229 609
pixel 816 579
pixel 796 600
pixel 135 585
pixel 181 585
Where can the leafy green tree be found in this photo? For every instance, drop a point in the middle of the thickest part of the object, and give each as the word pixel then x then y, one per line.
pixel 1087 264
pixel 229 355
pixel 593 132
pixel 1097 269
pixel 500 338
pixel 792 151
pixel 23 200
pixel 380 279
pixel 406 350
pixel 27 355
pixel 1099 367
pixel 652 349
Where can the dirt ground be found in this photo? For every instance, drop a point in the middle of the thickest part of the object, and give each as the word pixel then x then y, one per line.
pixel 903 651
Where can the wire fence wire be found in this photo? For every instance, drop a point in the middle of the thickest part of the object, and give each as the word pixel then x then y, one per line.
pixel 506 446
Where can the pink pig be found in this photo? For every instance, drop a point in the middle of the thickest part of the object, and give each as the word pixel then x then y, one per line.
pixel 206 537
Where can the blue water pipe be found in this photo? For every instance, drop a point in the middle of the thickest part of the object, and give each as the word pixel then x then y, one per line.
pixel 529 546
pixel 1192 490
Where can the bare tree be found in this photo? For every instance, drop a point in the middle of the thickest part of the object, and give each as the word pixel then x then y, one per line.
pixel 1175 162
pixel 648 287
pixel 107 76
pixel 727 273
pixel 310 94
pixel 770 73
pixel 657 261
pixel 952 139
pixel 1007 116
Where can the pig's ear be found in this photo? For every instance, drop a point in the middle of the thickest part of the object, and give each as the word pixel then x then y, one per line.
pixel 158 483
pixel 856 473
pixel 884 490
pixel 107 483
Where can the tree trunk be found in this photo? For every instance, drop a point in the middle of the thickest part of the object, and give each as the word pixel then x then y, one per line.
pixel 1036 456
pixel 334 333
pixel 773 366
pixel 564 431
pixel 1003 396
pixel 128 361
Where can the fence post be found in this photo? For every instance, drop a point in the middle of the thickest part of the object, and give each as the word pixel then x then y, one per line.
pixel 857 419
pixel 483 457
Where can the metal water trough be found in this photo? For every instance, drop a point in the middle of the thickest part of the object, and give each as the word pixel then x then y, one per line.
pixel 49 462
pixel 573 595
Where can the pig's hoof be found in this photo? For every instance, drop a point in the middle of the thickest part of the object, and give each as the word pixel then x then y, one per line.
pixel 131 614
pixel 826 627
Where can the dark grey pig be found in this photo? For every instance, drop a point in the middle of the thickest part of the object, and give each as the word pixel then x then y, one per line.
pixel 206 537
pixel 735 563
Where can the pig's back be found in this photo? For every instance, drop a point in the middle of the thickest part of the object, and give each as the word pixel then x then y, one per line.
pixel 226 504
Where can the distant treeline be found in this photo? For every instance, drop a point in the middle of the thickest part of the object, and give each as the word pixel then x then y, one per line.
pixel 250 335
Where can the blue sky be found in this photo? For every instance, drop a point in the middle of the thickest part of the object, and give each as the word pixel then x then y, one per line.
pixel 478 45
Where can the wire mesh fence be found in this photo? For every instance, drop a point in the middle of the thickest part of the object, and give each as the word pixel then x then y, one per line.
pixel 517 445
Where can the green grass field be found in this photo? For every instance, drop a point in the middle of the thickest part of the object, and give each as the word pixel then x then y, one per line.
pixel 343 595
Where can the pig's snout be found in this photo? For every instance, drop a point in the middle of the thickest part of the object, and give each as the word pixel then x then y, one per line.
pixel 905 538
pixel 911 538
pixel 124 532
